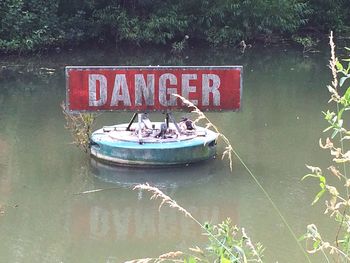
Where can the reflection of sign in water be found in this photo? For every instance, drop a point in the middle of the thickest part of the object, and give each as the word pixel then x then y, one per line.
pixel 141 223
pixel 151 88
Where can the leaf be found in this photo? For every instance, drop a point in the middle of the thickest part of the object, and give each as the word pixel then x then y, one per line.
pixel 318 196
pixel 322 185
pixel 339 65
pixel 347 94
pixel 327 129
pixel 303 237
pixel 341 160
pixel 224 260
pixel 316 244
pixel 335 132
pixel 342 80
pixel 310 175
pixel 340 113
pixel 323 179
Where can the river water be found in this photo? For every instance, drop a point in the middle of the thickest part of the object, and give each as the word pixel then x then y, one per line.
pixel 276 133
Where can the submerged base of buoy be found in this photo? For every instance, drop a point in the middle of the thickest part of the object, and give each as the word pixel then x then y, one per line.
pixel 122 146
pixel 163 177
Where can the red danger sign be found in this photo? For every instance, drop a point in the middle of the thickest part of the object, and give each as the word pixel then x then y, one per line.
pixel 152 88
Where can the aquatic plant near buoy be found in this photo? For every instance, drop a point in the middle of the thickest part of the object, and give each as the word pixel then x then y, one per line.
pixel 80 126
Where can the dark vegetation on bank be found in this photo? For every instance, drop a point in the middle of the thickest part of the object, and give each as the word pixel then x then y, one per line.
pixel 37 25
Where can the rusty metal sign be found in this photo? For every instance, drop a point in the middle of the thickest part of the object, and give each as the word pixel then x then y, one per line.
pixel 108 88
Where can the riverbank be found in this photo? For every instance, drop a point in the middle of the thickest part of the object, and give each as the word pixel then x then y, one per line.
pixel 38 26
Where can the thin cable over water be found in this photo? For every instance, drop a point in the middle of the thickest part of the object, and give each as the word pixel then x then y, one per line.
pixel 273 205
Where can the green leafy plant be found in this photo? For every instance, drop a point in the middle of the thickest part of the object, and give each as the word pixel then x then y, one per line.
pixel 235 240
pixel 227 243
pixel 338 202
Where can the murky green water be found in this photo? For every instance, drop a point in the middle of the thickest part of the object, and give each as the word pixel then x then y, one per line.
pixel 276 133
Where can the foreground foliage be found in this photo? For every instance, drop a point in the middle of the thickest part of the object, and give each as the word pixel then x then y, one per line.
pixel 226 242
pixel 29 25
pixel 338 203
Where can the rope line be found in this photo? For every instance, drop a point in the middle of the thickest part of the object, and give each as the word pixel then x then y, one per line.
pixel 273 205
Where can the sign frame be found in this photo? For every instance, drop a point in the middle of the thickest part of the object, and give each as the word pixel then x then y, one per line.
pixel 180 109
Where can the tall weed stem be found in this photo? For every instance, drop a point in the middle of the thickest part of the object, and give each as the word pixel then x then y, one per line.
pixel 173 204
pixel 229 150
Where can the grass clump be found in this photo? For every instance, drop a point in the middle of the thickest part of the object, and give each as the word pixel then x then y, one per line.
pixel 80 126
